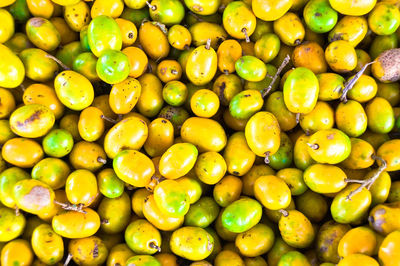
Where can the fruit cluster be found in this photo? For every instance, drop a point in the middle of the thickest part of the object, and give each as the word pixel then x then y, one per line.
pixel 200 132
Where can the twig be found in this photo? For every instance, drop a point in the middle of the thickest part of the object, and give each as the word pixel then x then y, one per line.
pixel 278 72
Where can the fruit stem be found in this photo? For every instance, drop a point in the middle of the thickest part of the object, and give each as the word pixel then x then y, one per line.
pixel 350 84
pixel 101 160
pixel 266 160
pixel 313 146
pixel 244 30
pixel 70 207
pixel 68 259
pixel 284 212
pixel 195 16
pixel 104 221
pixel 208 44
pixel 226 72
pixel 153 245
pixel 297 118
pixel 22 87
pixel 58 61
pixel 370 181
pixel 278 72
pixel 152 7
pixel 17 212
pixel 109 119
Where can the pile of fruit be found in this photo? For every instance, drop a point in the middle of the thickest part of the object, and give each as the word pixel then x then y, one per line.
pixel 200 132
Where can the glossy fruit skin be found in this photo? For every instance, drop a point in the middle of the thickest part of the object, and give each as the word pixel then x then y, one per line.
pixel 227 190
pixel 313 205
pixel 389 249
pixel 167 12
pixel 204 133
pixel 310 55
pixel 130 133
pixel 81 187
pixel 73 90
pixel 360 156
pixel 272 192
pixel 324 178
pixel 192 243
pixel 12 251
pixel 276 105
pixel 321 117
pixel 245 104
pixel 11 225
pixel 91 124
pixel 267 47
pixel 210 167
pixel 42 33
pixel 145 260
pixel 37 66
pixel 202 7
pixel 333 146
pixel 52 171
pixel 179 37
pixel 202 213
pixel 283 157
pixel 380 115
pixel 201 65
pixel 319 16
pixel 250 68
pixel 119 254
pixel 351 118
pixel 204 103
pixel 160 220
pixel 87 155
pixel 140 234
pixel 109 184
pixel 389 153
pixel 358 258
pixel 85 64
pixel 161 137
pixel 290 29
pixel 44 95
pixel 153 41
pixel 270 10
pixel 77 16
pixel 256 241
pixel 263 142
pixel 289 227
pixel 33 196
pixel 384 19
pixel 10 64
pixel 350 242
pixel 8 178
pixel 228 53
pixel 171 198
pixel 112 67
pixel 8 106
pixel 133 167
pixel 178 160
pixel 241 215
pixel 47 245
pixel 344 210
pixel 358 9
pixel 238 163
pixel 32 121
pixel 237 18
pixel 382 218
pixel 328 84
pixel 104 34
pixel 364 89
pixel 82 250
pixel 300 91
pixel 22 152
pixel 341 56
pixel 72 224
pixel 293 258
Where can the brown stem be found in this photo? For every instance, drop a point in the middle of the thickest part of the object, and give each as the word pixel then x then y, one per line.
pixel 104 221
pixel 278 72
pixel 195 16
pixel 17 212
pixel 22 87
pixel 354 181
pixel 152 7
pixel 226 72
pixel 266 160
pixel 58 61
pixel 68 259
pixel 244 30
pixel 174 71
pixel 370 181
pixel 101 160
pixel 153 245
pixel 70 207
pixel 109 119
pixel 350 84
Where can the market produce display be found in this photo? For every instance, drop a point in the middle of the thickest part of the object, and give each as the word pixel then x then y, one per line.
pixel 200 132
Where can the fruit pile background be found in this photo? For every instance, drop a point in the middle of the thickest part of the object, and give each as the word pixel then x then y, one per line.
pixel 200 132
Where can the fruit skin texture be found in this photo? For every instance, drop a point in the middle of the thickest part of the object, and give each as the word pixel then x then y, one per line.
pixel 104 34
pixel 353 8
pixel 12 70
pixel 192 243
pixel 390 249
pixel 296 229
pixel 272 192
pixel 270 10
pixel 300 91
